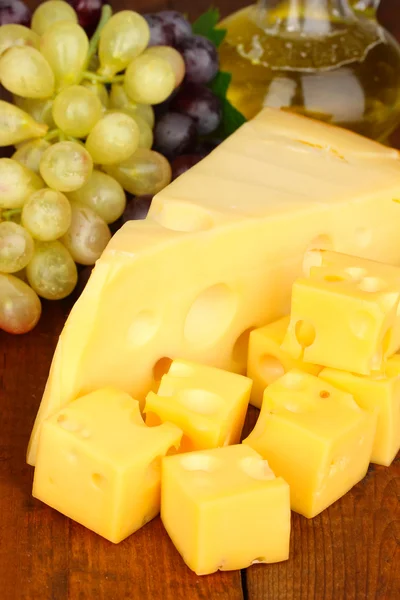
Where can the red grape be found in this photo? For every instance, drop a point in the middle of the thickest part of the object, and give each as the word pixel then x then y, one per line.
pixel 88 12
pixel 199 103
pixel 137 208
pixel 181 27
pixel 14 11
pixel 183 163
pixel 174 134
pixel 161 33
pixel 201 59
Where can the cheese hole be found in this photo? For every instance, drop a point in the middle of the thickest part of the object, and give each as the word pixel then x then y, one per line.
pixel 333 278
pixel 68 424
pixel 256 468
pixel 305 333
pixel 210 315
pixel 356 273
pixel 313 254
pixel 324 394
pixel 363 236
pixel 240 350
pixel 372 284
pixel 98 480
pixel 294 381
pixel 202 402
pixel 362 323
pixel 338 464
pixel 388 301
pixel 200 462
pixel 72 456
pixel 161 368
pixel 180 216
pixel 270 368
pixel 259 559
pixel 143 328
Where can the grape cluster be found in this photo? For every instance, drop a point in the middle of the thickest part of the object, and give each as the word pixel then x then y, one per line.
pixel 93 122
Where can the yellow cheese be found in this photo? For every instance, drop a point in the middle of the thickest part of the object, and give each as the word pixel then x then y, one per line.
pixel 224 509
pixel 99 464
pixel 343 315
pixel 266 360
pixel 209 405
pixel 314 436
pixel 218 253
pixel 359 268
pixel 378 392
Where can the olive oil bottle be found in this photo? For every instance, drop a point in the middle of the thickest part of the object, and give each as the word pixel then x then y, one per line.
pixel 328 59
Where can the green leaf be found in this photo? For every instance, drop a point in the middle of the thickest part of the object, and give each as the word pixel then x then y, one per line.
pixel 206 26
pixel 220 84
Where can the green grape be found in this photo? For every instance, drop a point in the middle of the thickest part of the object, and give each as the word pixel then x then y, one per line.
pixel 49 13
pixel 119 99
pixel 145 131
pixel 103 194
pixel 52 273
pixel 113 138
pixel 46 215
pixel 16 247
pixel 65 47
pixel 30 153
pixel 149 79
pixel 17 183
pixel 25 72
pixel 88 235
pixel 17 126
pixel 174 58
pixel 76 111
pixel 99 89
pixel 20 306
pixel 40 110
pixel 17 35
pixel 124 37
pixel 66 166
pixel 145 172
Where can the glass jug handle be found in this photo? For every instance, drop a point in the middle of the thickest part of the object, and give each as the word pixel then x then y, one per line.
pixel 367 7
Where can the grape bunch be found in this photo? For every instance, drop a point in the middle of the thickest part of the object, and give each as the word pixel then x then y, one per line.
pixel 95 124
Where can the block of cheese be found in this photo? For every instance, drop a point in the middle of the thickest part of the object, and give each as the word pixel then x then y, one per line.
pixel 99 464
pixel 343 314
pixel 224 509
pixel 314 436
pixel 266 361
pixel 209 405
pixel 358 268
pixel 219 251
pixel 381 392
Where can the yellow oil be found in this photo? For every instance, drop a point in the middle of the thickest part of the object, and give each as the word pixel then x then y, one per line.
pixel 344 71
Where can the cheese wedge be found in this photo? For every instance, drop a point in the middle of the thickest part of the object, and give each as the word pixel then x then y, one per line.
pixel 219 251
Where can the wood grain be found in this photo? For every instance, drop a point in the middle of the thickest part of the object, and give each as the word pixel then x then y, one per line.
pixel 350 552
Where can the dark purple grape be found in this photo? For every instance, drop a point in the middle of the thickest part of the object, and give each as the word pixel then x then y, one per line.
pixel 183 163
pixel 88 12
pixel 204 147
pixel 137 208
pixel 199 103
pixel 14 11
pixel 83 278
pixel 161 33
pixel 201 59
pixel 181 27
pixel 174 134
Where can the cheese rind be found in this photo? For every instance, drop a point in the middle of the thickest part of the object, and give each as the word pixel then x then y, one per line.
pixel 224 509
pixel 266 360
pixel 100 465
pixel 218 253
pixel 209 405
pixel 315 437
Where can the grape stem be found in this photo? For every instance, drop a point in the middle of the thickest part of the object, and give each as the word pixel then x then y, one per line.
pixel 102 78
pixel 8 214
pixel 52 135
pixel 106 13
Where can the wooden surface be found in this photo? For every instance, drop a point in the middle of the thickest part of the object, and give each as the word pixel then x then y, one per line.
pixel 350 552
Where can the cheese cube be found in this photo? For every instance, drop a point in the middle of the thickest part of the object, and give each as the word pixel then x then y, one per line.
pixel 358 267
pixel 314 436
pixel 99 464
pixel 343 316
pixel 267 361
pixel 378 392
pixel 208 404
pixel 224 509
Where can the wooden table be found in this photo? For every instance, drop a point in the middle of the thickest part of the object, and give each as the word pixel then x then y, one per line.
pixel 350 552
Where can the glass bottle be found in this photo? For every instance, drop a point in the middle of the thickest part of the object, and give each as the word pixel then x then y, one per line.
pixel 328 59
